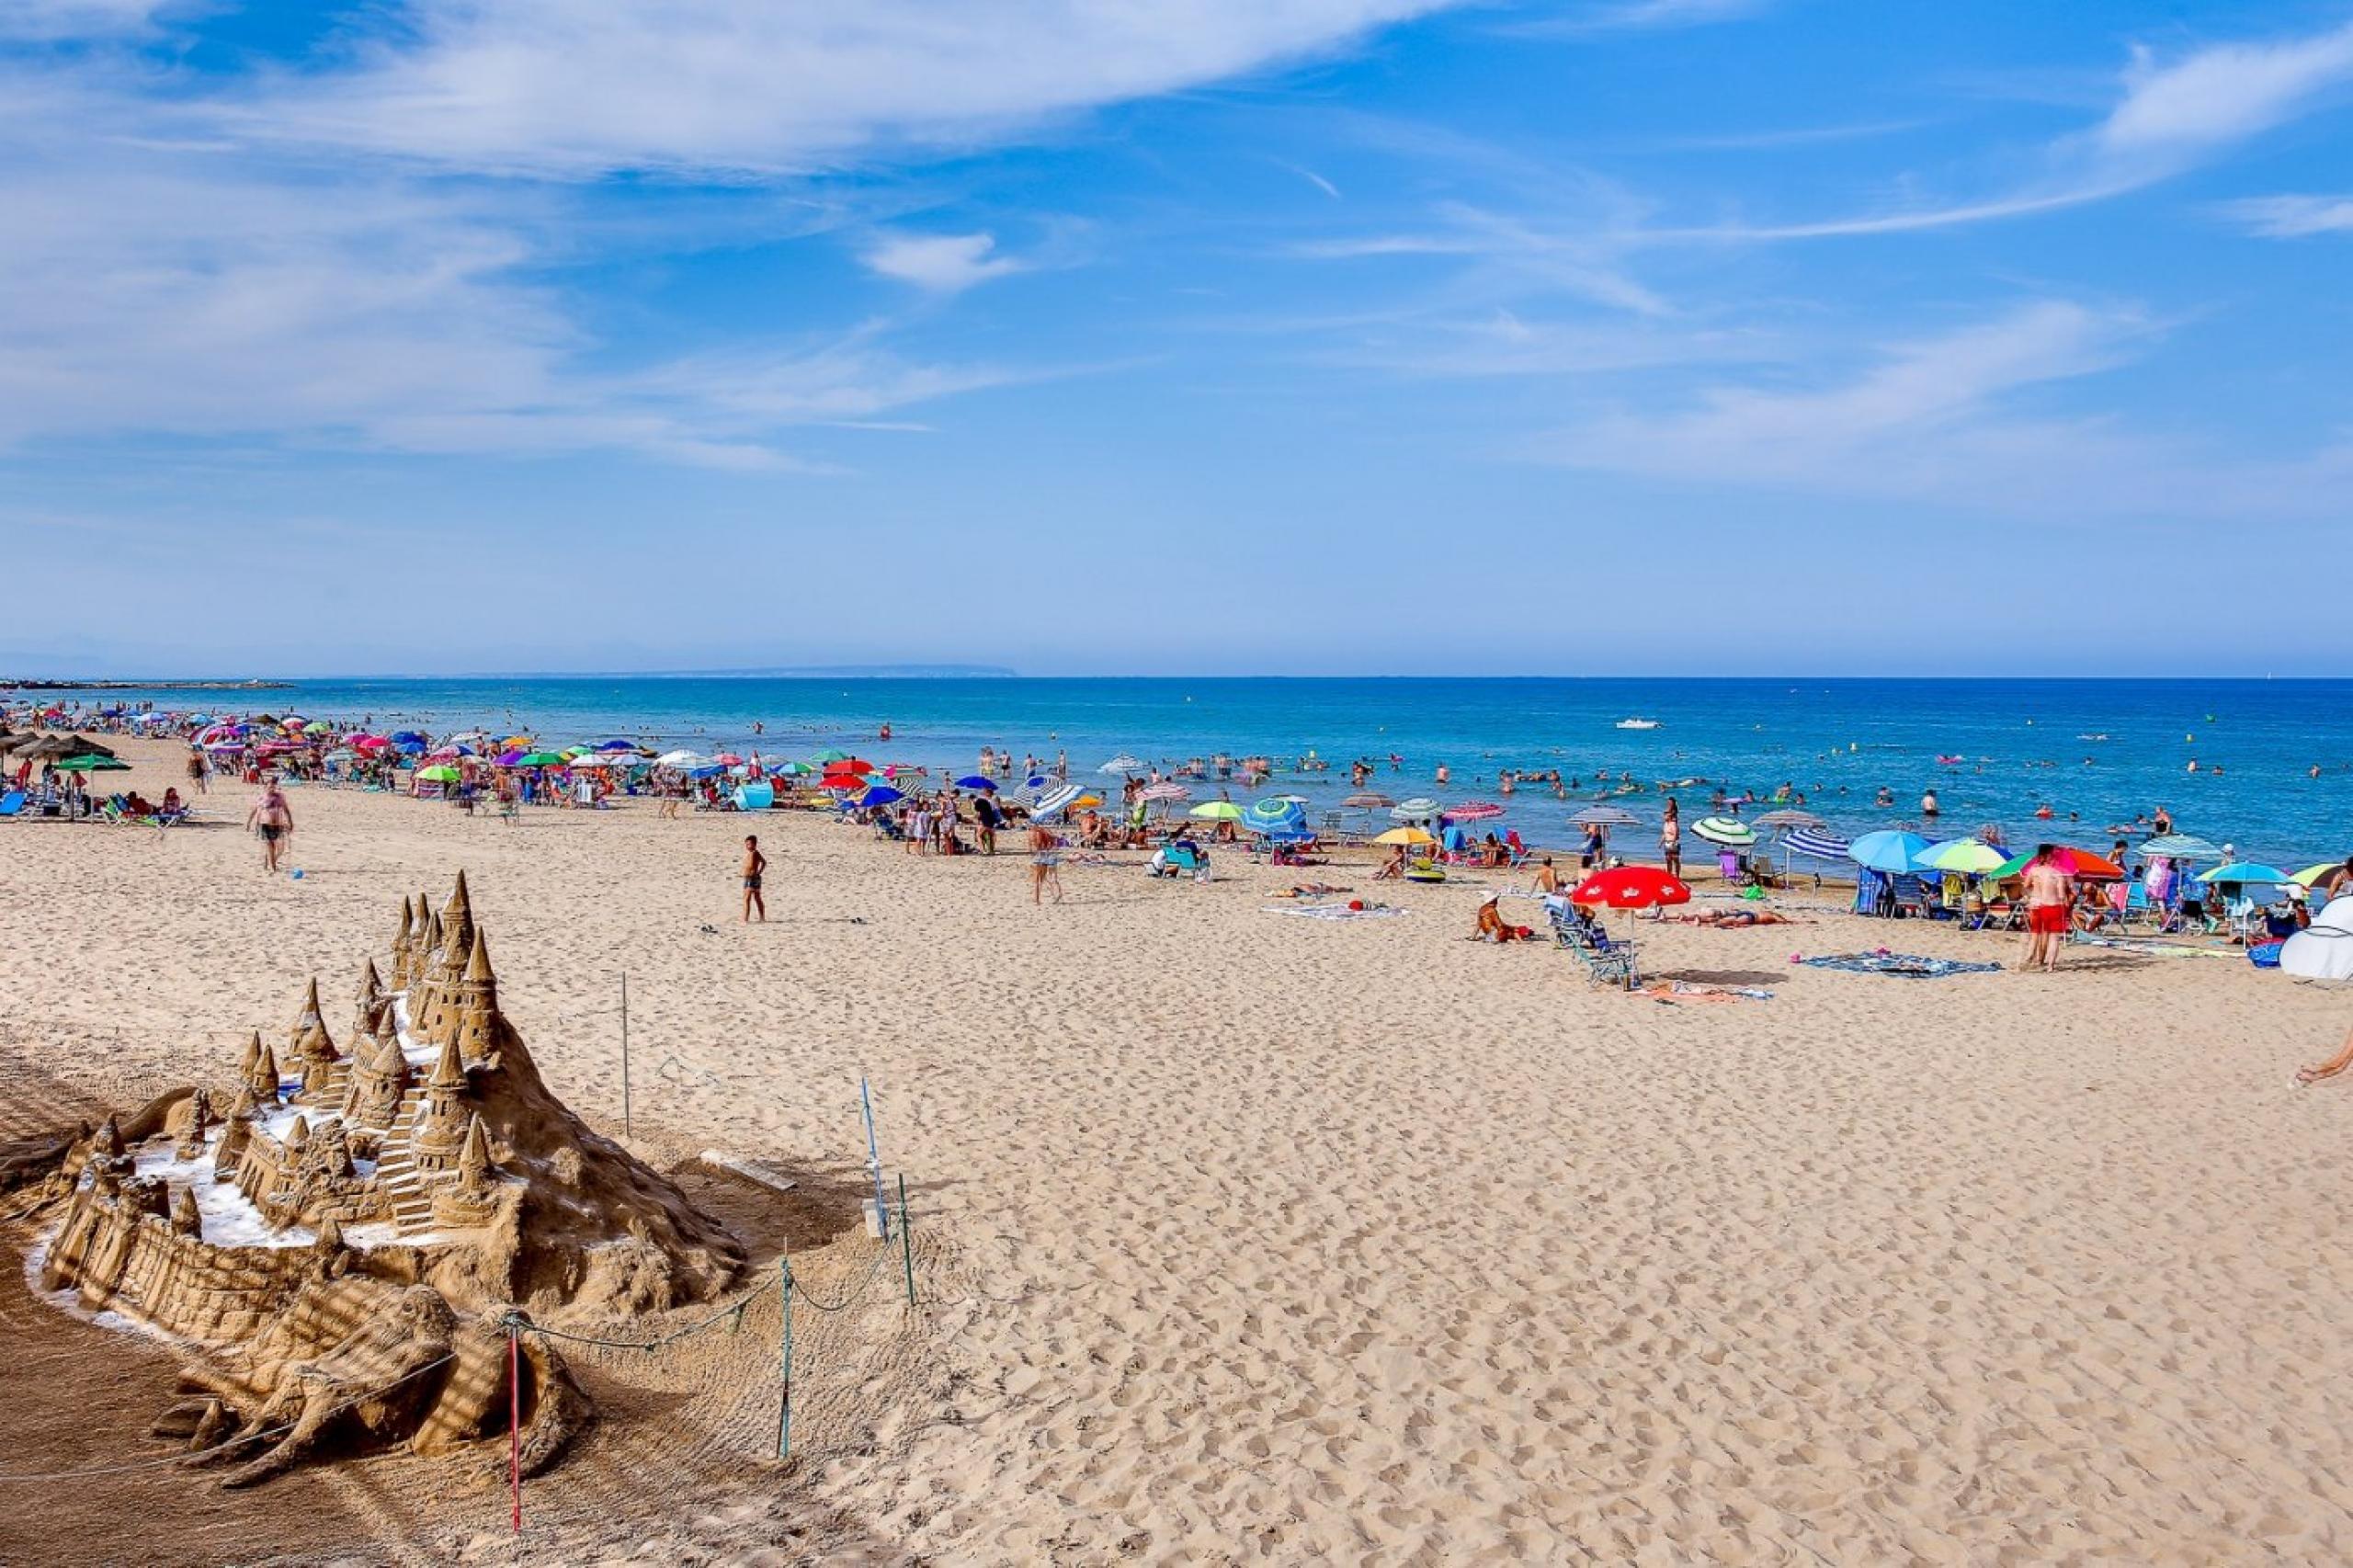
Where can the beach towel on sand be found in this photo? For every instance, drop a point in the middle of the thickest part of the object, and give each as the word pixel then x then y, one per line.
pixel 1335 911
pixel 1682 991
pixel 1912 966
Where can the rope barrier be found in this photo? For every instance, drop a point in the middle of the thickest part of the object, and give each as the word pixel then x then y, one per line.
pixel 512 1321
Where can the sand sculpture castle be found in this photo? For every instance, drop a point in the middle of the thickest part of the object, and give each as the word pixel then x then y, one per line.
pixel 341 1240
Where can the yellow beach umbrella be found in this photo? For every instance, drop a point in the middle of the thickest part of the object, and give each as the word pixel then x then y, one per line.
pixel 2312 874
pixel 1405 835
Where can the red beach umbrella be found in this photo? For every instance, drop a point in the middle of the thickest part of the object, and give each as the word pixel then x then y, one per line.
pixel 1631 887
pixel 1472 810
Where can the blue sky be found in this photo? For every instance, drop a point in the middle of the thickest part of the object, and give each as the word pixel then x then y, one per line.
pixel 1234 337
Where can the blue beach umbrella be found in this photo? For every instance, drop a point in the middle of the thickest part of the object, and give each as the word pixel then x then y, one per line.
pixel 881 795
pixel 1890 850
pixel 1055 800
pixel 616 746
pixel 1276 814
pixel 2246 871
pixel 1816 843
pixel 976 781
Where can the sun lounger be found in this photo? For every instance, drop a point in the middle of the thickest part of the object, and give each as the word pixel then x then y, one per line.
pixel 1602 958
pixel 12 804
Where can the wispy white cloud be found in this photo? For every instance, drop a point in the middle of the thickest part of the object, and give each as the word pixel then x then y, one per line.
pixel 1932 418
pixel 47 20
pixel 1629 15
pixel 944 264
pixel 2166 120
pixel 552 87
pixel 2292 217
pixel 1583 263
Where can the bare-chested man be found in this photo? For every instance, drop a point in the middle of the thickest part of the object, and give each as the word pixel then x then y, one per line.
pixel 2049 891
pixel 755 865
pixel 274 820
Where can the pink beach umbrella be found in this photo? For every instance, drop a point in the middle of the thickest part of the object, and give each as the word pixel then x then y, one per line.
pixel 1472 810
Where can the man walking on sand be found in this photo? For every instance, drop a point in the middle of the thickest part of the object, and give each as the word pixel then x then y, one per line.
pixel 2049 891
pixel 273 819
pixel 755 865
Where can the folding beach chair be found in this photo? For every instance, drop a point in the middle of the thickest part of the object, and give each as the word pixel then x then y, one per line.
pixel 1602 958
pixel 12 804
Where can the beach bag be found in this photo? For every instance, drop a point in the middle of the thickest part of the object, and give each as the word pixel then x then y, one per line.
pixel 2265 955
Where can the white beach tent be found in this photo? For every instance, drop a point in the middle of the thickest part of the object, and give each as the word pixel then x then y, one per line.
pixel 2326 951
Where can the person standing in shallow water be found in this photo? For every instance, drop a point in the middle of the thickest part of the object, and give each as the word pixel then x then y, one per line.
pixel 756 867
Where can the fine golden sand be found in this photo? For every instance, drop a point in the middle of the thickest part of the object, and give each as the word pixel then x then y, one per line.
pixel 1290 1241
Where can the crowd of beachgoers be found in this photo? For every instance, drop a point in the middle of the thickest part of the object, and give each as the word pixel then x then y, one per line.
pixel 2151 875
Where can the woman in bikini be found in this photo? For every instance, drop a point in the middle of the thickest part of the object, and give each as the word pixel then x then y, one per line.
pixel 1045 863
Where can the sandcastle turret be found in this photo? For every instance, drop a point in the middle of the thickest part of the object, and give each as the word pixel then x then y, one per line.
pixel 370 1001
pixel 401 946
pixel 186 1219
pixel 261 1077
pixel 236 1135
pixel 106 1154
pixel 475 999
pixel 188 1121
pixel 314 1054
pixel 440 1124
pixel 380 1075
pixel 298 1137
pixel 251 1058
pixel 472 1199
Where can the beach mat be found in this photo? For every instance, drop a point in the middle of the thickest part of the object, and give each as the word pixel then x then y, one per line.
pixel 1335 911
pixel 1908 966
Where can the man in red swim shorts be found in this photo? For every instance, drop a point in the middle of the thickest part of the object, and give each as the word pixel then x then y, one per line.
pixel 2049 891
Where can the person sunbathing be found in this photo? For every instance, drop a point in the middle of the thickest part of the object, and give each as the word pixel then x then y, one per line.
pixel 2330 1068
pixel 1392 869
pixel 1734 918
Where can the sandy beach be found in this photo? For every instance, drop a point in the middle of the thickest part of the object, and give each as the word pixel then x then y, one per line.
pixel 1258 1238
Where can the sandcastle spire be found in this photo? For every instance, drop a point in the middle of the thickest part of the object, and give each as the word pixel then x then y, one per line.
pixel 109 1137
pixel 186 1219
pixel 478 962
pixel 473 1157
pixel 298 1137
pixel 262 1079
pixel 252 1057
pixel 371 984
pixel 450 1070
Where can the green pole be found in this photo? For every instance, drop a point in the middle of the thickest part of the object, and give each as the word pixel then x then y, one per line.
pixel 906 1243
pixel 784 1379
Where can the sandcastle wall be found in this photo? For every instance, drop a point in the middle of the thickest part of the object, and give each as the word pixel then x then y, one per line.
pixel 115 1256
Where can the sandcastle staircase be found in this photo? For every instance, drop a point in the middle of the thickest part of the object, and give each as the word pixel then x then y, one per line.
pixel 409 1187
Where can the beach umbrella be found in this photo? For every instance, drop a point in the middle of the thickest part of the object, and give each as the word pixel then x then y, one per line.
pixel 509 758
pixel 1890 850
pixel 409 748
pixel 1085 802
pixel 795 769
pixel 1221 811
pixel 1605 816
pixel 1729 831
pixel 1164 791
pixel 1368 800
pixel 1274 814
pixel 1631 887
pixel 91 765
pixel 2236 872
pixel 977 781
pixel 1970 856
pixel 1055 800
pixel 399 735
pixel 617 745
pixel 1812 843
pixel 829 754
pixel 2078 863
pixel 1472 810
pixel 1409 835
pixel 1123 763
pixel 2311 875
pixel 440 773
pixel 882 795
pixel 728 759
pixel 843 781
pixel 541 759
pixel 848 765
pixel 2180 847
pixel 1787 817
pixel 680 758
pixel 1421 807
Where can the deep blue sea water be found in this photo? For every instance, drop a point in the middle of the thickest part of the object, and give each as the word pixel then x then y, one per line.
pixel 1838 740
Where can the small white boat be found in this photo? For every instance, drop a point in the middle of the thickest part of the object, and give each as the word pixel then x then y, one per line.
pixel 1638 723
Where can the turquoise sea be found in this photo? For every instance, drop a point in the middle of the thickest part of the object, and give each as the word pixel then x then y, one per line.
pixel 2098 752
